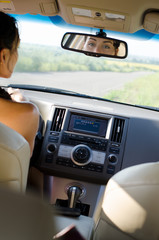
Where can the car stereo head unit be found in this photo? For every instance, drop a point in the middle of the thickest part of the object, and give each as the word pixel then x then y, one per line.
pixel 81 149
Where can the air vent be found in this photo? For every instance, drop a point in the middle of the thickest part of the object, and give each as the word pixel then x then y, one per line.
pixel 117 130
pixel 58 119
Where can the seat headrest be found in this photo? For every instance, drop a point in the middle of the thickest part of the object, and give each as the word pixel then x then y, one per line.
pixel 14 159
pixel 131 201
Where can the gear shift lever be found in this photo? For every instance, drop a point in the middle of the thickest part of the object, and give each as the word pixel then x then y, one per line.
pixel 71 206
pixel 73 195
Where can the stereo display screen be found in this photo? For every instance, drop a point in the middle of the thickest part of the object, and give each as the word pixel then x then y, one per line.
pixel 88 125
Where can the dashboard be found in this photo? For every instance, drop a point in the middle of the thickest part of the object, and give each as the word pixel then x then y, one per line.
pixel 91 140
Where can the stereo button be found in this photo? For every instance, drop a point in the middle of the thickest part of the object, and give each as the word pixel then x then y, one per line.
pixel 98 157
pixel 112 159
pixel 49 159
pixel 114 150
pixel 64 151
pixel 110 169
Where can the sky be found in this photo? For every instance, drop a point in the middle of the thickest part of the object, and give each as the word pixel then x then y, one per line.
pixel 40 33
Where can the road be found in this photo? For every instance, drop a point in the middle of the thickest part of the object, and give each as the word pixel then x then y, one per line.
pixel 91 83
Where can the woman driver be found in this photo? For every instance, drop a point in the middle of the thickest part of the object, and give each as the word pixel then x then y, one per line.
pixel 15 112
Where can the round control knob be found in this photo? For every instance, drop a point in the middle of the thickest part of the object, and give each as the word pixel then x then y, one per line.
pixel 51 148
pixel 112 159
pixel 81 155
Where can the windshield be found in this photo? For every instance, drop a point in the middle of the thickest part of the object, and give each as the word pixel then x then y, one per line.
pixel 42 62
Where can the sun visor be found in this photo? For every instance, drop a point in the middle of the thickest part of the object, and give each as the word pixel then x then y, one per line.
pixel 151 22
pixel 42 7
pixel 98 18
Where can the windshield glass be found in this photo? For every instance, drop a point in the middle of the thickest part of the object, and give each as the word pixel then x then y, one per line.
pixel 42 62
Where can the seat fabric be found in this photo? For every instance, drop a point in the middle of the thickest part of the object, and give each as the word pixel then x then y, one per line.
pixel 130 209
pixel 14 159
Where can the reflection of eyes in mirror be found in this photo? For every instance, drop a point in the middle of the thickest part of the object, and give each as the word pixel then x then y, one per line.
pixel 100 45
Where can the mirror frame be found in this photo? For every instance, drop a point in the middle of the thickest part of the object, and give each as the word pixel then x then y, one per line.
pixel 92 53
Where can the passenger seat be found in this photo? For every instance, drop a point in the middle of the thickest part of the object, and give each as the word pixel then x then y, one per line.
pixel 130 209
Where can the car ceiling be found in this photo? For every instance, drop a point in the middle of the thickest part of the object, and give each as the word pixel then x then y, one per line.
pixel 118 15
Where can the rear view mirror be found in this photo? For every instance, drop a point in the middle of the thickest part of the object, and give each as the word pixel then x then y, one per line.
pixel 93 45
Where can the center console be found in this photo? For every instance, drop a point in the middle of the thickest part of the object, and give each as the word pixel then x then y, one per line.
pixel 83 145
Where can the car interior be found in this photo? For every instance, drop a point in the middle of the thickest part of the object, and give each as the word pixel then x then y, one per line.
pixel 95 161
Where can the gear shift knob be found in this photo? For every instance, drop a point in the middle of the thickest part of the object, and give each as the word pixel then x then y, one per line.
pixel 73 195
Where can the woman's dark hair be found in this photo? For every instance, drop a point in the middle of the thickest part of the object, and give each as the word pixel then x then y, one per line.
pixel 116 44
pixel 4 94
pixel 9 38
pixel 9 34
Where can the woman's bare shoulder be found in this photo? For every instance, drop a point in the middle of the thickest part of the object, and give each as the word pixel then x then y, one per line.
pixel 23 117
pixel 20 116
pixel 12 107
